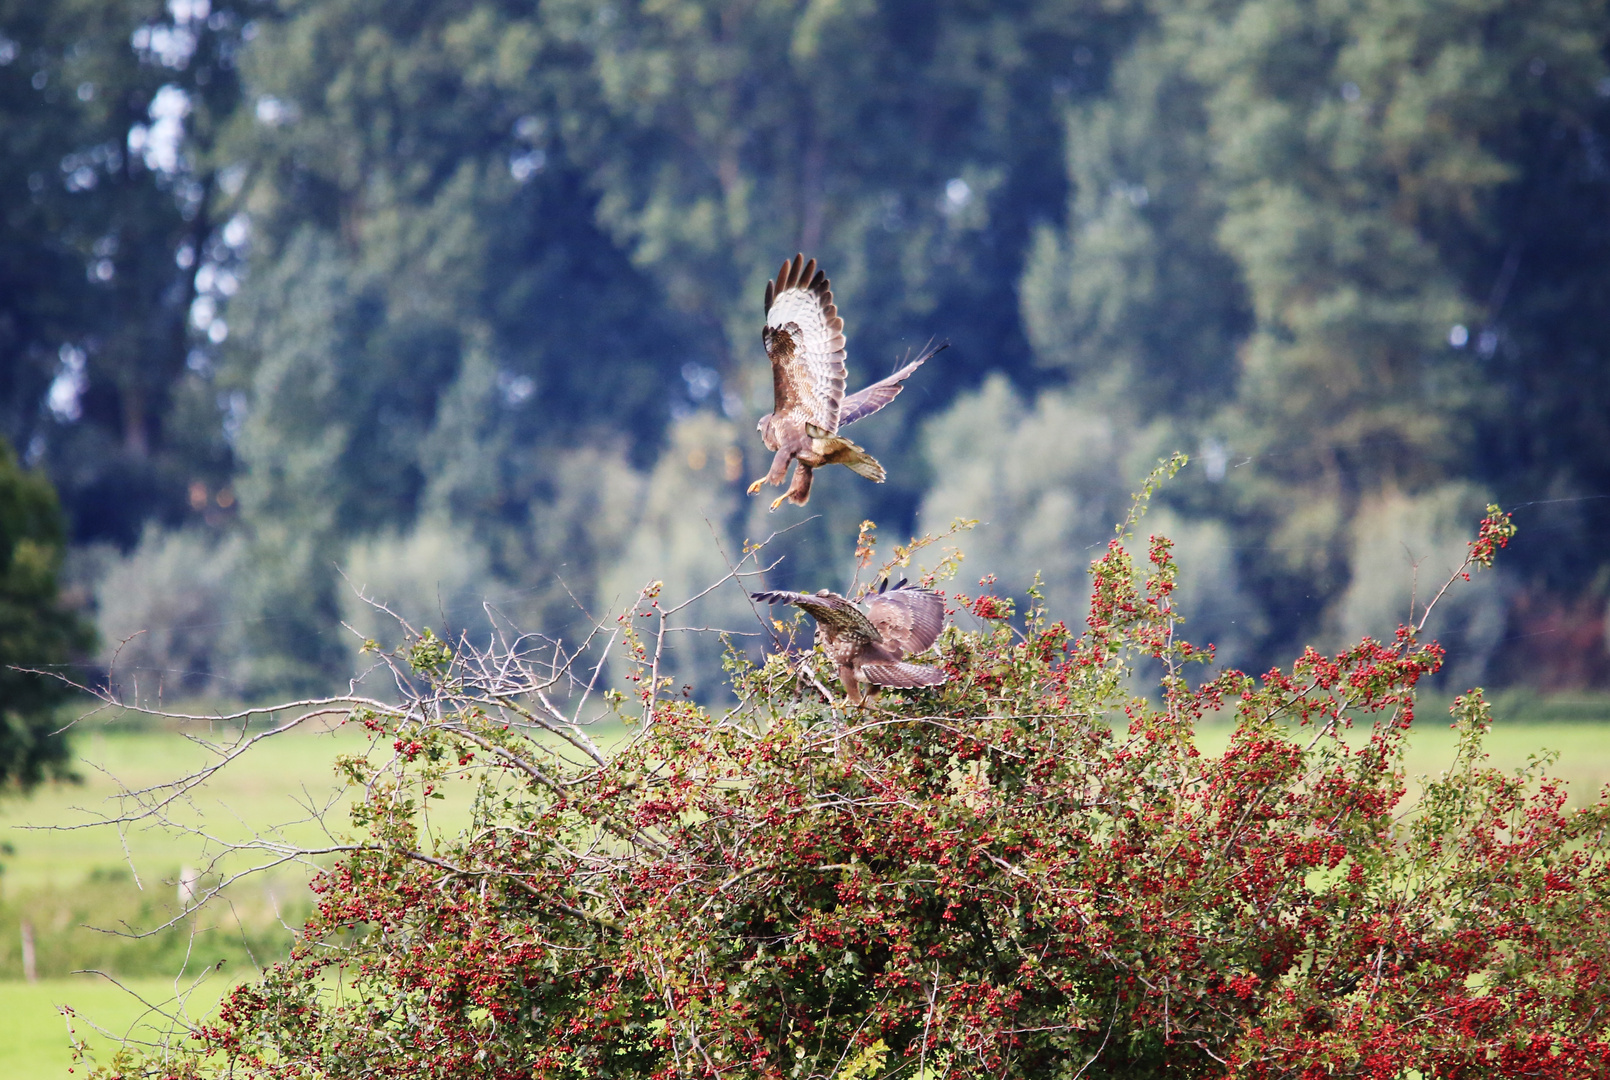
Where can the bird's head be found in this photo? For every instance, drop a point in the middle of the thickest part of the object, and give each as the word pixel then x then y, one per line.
pixel 764 427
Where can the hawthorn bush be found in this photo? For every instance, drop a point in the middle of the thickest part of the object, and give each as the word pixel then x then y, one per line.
pixel 1031 871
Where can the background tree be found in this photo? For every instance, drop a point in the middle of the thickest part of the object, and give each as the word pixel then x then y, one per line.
pixel 475 262
pixel 440 328
pixel 1363 160
pixel 1306 221
pixel 499 203
pixel 111 109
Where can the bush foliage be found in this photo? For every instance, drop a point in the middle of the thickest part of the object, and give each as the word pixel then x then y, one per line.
pixel 1028 872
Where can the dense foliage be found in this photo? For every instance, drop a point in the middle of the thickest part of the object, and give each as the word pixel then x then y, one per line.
pixel 37 634
pixel 1030 871
pixel 288 286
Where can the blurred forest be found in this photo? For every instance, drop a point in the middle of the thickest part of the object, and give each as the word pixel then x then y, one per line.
pixel 459 300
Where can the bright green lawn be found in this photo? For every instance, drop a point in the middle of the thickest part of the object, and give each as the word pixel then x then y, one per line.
pixel 1584 751
pixel 33 1032
pixel 65 882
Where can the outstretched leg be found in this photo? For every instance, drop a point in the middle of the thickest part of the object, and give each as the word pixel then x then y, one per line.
pixel 774 476
pixel 799 492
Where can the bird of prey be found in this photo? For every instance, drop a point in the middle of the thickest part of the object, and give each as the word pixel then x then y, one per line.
pixel 871 645
pixel 804 339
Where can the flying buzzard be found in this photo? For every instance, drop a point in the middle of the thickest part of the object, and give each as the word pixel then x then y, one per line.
pixel 804 338
pixel 871 646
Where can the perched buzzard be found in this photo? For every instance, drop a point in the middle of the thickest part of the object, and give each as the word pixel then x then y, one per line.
pixel 804 338
pixel 871 646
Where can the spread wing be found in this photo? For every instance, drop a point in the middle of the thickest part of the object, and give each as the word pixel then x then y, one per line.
pixel 902 673
pixel 865 402
pixel 832 612
pixel 907 617
pixel 804 339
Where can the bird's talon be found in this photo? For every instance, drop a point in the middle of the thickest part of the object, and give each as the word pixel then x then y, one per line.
pixel 753 488
pixel 778 501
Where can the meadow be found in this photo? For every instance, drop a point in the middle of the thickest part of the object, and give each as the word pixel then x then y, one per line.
pixel 75 878
pixel 59 875
pixel 34 1040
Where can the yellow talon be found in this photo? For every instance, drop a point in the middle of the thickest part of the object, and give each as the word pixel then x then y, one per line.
pixel 756 485
pixel 778 501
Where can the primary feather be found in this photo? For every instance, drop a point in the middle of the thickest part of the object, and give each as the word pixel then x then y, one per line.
pixel 865 402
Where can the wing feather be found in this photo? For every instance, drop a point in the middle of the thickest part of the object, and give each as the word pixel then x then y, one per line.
pixel 901 673
pixel 831 611
pixel 777 596
pixel 865 402
pixel 805 341
pixel 907 617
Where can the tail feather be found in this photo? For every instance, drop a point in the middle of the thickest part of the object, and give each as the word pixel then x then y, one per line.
pixel 841 451
pixel 902 673
pixel 868 466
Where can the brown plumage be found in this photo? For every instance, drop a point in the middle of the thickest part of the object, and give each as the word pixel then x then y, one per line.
pixel 804 339
pixel 871 646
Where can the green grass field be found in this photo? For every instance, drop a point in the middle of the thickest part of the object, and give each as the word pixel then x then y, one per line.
pixel 274 788
pixel 57 868
pixel 34 1040
pixel 274 785
pixel 1583 749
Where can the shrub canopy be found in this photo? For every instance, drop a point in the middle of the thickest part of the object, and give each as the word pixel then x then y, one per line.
pixel 1032 871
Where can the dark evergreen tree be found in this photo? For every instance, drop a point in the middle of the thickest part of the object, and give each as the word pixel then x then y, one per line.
pixel 36 632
